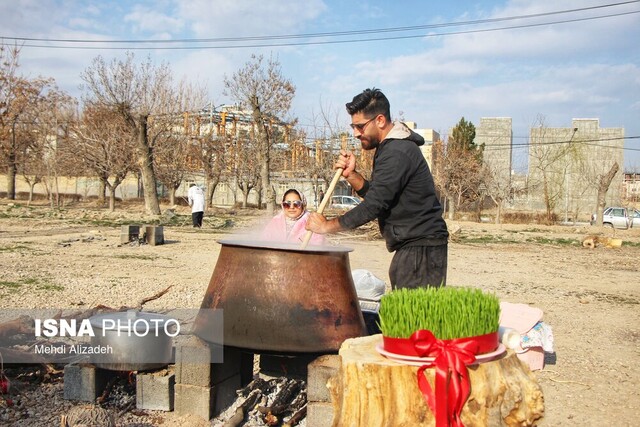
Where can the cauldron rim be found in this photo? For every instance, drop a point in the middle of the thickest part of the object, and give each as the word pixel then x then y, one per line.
pixel 286 247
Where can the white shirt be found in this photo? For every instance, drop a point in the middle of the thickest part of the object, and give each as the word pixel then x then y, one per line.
pixel 196 199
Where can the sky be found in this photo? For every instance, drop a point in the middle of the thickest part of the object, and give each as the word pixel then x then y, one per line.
pixel 437 61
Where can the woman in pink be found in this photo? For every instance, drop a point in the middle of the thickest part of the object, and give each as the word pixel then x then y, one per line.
pixel 289 225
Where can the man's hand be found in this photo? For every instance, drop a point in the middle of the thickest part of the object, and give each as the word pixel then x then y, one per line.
pixel 321 225
pixel 316 223
pixel 347 162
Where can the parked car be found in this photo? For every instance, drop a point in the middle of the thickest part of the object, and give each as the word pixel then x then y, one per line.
pixel 617 217
pixel 344 202
pixel 634 214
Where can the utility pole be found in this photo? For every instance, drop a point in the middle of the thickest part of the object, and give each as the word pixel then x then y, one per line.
pixel 567 181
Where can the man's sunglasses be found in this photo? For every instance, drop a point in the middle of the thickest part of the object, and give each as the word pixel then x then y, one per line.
pixel 360 126
pixel 292 203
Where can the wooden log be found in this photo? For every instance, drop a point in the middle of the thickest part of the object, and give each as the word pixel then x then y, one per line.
pixel 372 390
pixel 20 325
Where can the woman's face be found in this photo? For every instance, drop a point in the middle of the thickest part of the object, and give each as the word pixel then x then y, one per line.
pixel 292 205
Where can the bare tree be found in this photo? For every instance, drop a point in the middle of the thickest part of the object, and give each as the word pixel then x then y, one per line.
pixel 212 154
pixel 33 169
pixel 603 187
pixel 170 159
pixel 19 98
pixel 262 88
pixel 43 158
pixel 8 104
pixel 245 164
pixel 224 152
pixel 171 140
pixel 550 159
pixel 596 165
pixel 136 91
pixel 103 143
pixel 328 136
pixel 497 187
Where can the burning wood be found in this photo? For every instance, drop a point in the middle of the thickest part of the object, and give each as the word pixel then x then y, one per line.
pixel 269 403
pixel 241 411
pixel 298 416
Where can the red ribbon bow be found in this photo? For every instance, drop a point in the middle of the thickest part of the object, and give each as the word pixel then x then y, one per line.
pixel 452 377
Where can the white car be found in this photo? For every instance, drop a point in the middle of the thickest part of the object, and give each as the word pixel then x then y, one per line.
pixel 617 217
pixel 634 214
pixel 344 202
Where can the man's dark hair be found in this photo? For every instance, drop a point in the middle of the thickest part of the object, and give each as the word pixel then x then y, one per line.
pixel 370 102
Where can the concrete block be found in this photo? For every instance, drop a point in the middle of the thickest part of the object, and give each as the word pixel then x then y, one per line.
pixel 194 400
pixel 154 235
pixel 84 382
pixel 193 363
pixel 319 414
pixel 320 370
pixel 129 233
pixel 155 390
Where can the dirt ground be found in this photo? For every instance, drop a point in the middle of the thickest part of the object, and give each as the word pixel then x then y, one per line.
pixel 72 258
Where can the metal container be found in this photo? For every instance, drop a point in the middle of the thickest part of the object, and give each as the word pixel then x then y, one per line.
pixel 138 341
pixel 282 298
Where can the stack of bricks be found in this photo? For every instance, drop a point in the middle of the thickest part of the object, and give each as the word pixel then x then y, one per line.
pixel 319 407
pixel 203 388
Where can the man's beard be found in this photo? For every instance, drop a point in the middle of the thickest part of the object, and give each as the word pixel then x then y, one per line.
pixel 368 144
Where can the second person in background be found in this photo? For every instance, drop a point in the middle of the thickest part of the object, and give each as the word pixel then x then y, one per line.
pixel 290 224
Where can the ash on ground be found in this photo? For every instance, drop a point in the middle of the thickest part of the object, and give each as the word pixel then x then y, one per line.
pixel 278 401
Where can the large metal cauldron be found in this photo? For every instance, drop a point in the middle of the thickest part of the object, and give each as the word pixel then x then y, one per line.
pixel 283 298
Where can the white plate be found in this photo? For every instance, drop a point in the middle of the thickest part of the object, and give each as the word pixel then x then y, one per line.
pixel 419 361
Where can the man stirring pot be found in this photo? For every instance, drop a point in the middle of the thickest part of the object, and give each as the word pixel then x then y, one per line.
pixel 401 195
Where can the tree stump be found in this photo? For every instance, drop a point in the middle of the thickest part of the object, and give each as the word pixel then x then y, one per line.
pixel 372 390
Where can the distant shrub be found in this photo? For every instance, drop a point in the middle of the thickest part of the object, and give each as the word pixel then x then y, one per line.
pixel 528 218
pixel 24 195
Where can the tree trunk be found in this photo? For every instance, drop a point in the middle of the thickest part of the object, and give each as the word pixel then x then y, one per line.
pixel 603 187
pixel 371 390
pixel 266 183
pixel 12 170
pixel 112 199
pixel 31 186
pixel 479 208
pixel 212 184
pixel 59 201
pixel 549 202
pixel 499 211
pixel 146 169
pixel 102 190
pixel 265 161
pixel 245 198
